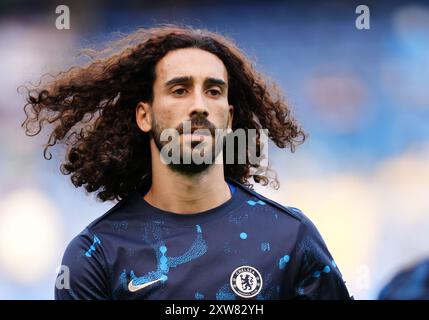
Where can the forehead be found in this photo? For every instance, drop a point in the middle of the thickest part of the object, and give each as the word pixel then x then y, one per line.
pixel 192 62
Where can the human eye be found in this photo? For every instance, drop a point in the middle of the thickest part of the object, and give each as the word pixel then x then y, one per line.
pixel 179 92
pixel 214 92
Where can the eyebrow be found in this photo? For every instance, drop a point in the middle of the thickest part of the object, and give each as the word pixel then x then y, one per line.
pixel 188 79
pixel 178 80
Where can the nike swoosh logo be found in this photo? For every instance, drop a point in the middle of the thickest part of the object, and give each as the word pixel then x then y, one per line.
pixel 134 288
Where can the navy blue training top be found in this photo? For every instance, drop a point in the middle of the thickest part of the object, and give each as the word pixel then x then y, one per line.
pixel 247 248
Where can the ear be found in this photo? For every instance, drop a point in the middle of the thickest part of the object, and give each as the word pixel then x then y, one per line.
pixel 144 116
pixel 230 116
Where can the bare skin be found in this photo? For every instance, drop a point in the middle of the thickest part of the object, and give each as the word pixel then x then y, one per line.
pixel 197 91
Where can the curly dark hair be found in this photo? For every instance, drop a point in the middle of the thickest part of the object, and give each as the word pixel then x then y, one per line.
pixel 91 110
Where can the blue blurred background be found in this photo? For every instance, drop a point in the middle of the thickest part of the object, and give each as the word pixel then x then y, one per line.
pixel 362 95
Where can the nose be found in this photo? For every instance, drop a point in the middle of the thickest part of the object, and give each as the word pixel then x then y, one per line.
pixel 199 106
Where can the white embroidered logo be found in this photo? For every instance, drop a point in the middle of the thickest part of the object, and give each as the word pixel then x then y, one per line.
pixel 246 281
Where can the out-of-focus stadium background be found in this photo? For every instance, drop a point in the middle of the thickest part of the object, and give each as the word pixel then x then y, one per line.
pixel 362 95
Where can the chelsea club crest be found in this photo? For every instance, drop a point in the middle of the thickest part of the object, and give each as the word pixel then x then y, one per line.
pixel 246 281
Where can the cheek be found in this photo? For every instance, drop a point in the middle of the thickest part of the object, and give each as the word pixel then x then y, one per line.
pixel 167 114
pixel 223 110
pixel 220 116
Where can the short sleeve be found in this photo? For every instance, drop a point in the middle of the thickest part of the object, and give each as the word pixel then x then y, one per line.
pixel 82 274
pixel 318 277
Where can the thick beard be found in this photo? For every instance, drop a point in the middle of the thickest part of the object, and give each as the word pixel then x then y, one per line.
pixel 186 169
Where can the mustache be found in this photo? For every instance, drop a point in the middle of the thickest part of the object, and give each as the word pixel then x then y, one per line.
pixel 197 124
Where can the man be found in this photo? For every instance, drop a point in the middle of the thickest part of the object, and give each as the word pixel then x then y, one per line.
pixel 181 229
pixel 409 283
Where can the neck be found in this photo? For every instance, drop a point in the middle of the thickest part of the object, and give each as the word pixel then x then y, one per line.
pixel 182 194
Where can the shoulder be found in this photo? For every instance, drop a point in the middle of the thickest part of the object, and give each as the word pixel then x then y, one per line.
pixel 294 220
pixel 118 211
pixel 86 258
pixel 255 197
pixel 84 267
pixel 84 245
pixel 90 242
